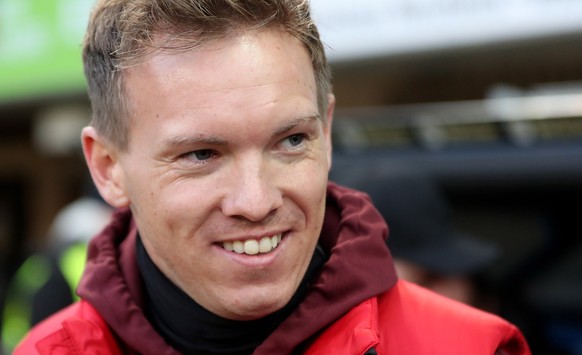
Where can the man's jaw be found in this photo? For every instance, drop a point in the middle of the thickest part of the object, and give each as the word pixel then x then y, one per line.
pixel 253 246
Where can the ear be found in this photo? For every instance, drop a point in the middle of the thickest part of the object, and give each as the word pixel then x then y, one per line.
pixel 103 162
pixel 327 127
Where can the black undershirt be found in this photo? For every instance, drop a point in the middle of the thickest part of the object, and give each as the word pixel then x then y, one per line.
pixel 191 329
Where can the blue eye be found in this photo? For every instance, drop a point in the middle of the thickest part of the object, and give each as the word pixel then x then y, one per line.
pixel 295 139
pixel 201 155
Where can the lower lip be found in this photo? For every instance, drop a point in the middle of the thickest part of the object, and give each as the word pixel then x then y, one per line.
pixel 258 260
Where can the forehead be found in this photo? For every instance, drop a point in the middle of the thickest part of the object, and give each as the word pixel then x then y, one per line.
pixel 255 71
pixel 257 52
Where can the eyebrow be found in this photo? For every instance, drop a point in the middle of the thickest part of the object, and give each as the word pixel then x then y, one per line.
pixel 182 140
pixel 296 122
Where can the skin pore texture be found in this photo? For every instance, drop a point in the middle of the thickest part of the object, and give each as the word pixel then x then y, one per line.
pixel 226 169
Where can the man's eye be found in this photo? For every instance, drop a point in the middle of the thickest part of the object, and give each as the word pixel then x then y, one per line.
pixel 294 140
pixel 202 154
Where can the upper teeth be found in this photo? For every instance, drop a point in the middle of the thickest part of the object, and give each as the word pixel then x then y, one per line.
pixel 253 246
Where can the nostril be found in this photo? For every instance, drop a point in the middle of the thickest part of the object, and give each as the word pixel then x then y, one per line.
pixel 252 208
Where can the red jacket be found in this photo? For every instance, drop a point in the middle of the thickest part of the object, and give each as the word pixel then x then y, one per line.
pixel 409 319
pixel 355 304
pixel 388 324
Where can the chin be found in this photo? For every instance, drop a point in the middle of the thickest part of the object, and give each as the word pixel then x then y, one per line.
pixel 249 307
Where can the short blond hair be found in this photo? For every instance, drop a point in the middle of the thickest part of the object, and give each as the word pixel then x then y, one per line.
pixel 120 33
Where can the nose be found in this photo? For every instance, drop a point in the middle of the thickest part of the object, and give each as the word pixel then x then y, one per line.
pixel 252 194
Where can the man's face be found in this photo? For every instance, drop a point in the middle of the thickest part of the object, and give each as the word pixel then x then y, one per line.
pixel 228 151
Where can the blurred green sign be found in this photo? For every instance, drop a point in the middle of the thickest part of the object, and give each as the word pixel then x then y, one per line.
pixel 40 47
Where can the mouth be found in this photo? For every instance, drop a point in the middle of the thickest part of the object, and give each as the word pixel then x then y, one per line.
pixel 253 246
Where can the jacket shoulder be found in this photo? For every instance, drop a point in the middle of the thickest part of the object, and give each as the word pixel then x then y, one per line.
pixel 77 329
pixel 408 311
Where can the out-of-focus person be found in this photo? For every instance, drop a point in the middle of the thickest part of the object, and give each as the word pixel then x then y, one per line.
pixel 46 281
pixel 427 249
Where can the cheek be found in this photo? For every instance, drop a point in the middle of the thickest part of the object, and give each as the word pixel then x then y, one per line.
pixel 164 213
pixel 310 191
pixel 172 219
pixel 180 209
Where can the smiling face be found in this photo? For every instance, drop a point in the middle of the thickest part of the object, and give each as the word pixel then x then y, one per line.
pixel 226 169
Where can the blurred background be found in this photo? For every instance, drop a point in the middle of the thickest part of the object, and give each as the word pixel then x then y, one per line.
pixel 483 96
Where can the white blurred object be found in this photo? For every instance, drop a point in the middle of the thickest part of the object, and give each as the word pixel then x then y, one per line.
pixel 372 28
pixel 57 130
pixel 80 220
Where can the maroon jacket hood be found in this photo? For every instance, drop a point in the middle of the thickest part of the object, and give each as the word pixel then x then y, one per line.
pixel 359 267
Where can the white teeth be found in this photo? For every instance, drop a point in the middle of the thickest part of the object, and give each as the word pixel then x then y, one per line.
pixel 238 247
pixel 265 245
pixel 253 246
pixel 228 246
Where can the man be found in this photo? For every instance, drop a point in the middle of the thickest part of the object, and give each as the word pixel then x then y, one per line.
pixel 211 134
